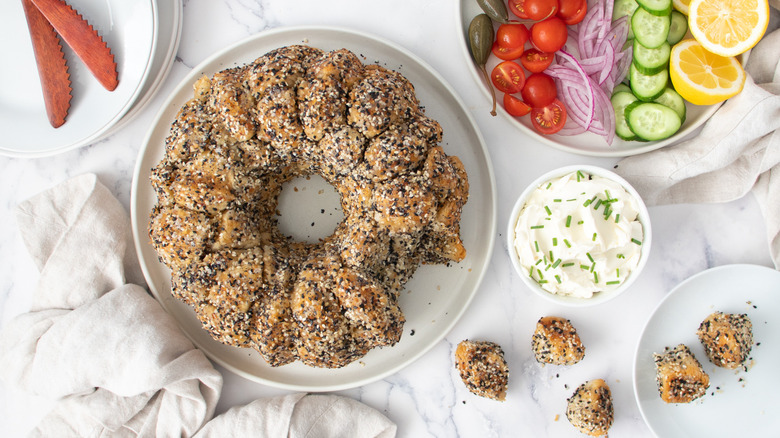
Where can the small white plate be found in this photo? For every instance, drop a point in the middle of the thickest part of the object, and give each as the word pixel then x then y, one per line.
pixel 583 144
pixel 737 403
pixel 130 30
pixel 437 295
pixel 169 14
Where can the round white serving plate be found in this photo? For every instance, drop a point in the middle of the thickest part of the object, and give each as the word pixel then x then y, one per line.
pixel 129 28
pixel 584 144
pixel 738 402
pixel 434 299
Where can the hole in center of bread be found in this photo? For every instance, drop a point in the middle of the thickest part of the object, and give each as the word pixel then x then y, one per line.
pixel 309 209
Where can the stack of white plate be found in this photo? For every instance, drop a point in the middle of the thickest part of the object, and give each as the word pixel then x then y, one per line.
pixel 142 35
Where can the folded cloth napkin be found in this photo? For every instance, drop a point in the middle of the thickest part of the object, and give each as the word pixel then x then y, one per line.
pixel 115 361
pixel 300 415
pixel 736 151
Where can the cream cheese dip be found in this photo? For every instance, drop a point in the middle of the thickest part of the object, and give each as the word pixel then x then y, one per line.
pixel 579 234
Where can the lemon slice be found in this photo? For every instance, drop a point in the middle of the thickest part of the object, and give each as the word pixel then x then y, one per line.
pixel 702 77
pixel 681 5
pixel 728 27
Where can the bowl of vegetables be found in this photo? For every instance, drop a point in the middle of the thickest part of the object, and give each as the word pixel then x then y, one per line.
pixel 586 76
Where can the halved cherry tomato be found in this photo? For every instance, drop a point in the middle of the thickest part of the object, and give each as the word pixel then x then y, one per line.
pixel 572 11
pixel 508 77
pixel 536 61
pixel 549 35
pixel 538 10
pixel 518 8
pixel 512 35
pixel 506 53
pixel 539 90
pixel 549 119
pixel 515 107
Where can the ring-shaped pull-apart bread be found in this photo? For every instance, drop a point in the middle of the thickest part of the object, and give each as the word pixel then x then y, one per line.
pixel 299 111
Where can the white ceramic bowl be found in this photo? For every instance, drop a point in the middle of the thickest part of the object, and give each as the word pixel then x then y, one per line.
pixel 598 297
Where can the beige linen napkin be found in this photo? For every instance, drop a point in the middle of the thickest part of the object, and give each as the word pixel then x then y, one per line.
pixel 115 362
pixel 735 152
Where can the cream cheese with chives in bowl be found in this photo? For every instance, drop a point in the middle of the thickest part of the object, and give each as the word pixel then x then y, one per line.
pixel 579 235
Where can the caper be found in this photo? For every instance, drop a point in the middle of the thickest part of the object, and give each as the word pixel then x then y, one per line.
pixel 481 42
pixel 495 9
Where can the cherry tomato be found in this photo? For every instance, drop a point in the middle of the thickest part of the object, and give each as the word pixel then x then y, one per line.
pixel 518 8
pixel 549 119
pixel 515 106
pixel 508 77
pixel 540 9
pixel 505 53
pixel 536 61
pixel 539 90
pixel 572 11
pixel 549 35
pixel 512 35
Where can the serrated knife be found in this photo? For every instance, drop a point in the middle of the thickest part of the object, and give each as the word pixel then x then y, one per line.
pixel 52 69
pixel 82 38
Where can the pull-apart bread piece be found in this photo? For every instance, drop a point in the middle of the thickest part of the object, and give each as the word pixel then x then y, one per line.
pixel 556 342
pixel 482 367
pixel 590 408
pixel 679 376
pixel 727 338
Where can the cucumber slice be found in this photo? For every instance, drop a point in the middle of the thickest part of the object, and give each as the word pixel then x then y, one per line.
pixel 650 30
pixel 620 101
pixel 623 8
pixel 647 87
pixel 656 7
pixel 652 121
pixel 621 87
pixel 673 100
pixel 678 27
pixel 651 61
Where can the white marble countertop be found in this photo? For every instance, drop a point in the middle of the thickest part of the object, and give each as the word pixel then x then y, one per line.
pixel 427 398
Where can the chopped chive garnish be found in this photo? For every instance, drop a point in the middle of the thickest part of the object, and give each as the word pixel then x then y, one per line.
pixel 542 281
pixel 606 192
pixel 551 256
pixel 580 222
pixel 557 262
pixel 621 256
pixel 607 213
pixel 556 200
pixel 613 282
pixel 555 241
pixel 536 227
pixel 549 184
pixel 617 218
pixel 636 241
pixel 595 277
pixel 538 261
pixel 566 241
pixel 568 221
pixel 539 271
pixel 572 199
pixel 558 278
pixel 593 266
pixel 587 203
pixel 617 272
pixel 547 209
pixel 536 244
pixel 594 237
pixel 598 204
pixel 585 267
pixel 590 257
pixel 566 265
pixel 580 175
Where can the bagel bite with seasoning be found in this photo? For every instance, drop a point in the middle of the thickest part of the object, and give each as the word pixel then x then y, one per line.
pixel 727 338
pixel 680 376
pixel 556 342
pixel 590 408
pixel 482 368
